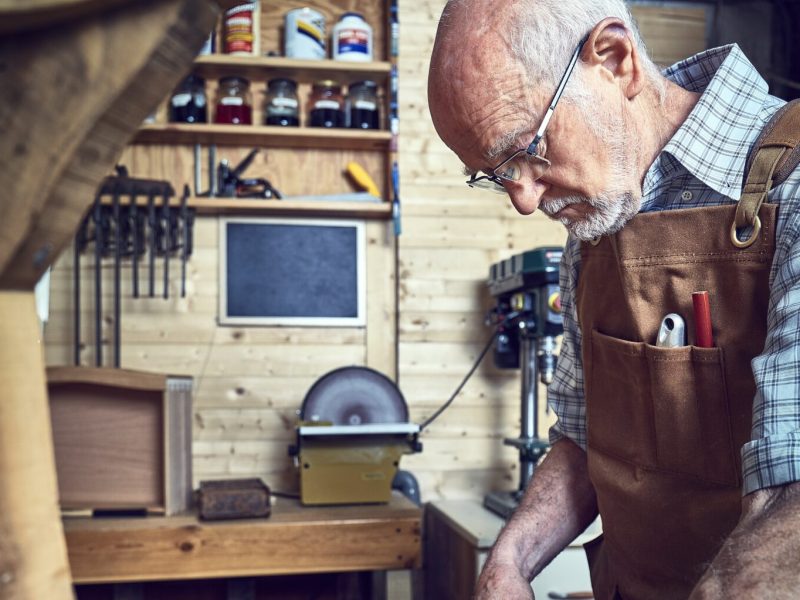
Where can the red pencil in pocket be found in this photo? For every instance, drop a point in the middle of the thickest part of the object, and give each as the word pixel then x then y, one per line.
pixel 704 337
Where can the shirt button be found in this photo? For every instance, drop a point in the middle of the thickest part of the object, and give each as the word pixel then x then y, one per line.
pixel 687 195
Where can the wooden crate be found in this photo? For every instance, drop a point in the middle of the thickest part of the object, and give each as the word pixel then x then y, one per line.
pixel 122 439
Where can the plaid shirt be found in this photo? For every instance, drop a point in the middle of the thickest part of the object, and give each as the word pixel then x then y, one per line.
pixel 703 165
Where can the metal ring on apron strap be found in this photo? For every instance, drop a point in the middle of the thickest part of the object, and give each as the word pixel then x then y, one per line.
pixel 749 241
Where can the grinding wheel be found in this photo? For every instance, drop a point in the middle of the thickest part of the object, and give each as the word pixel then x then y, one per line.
pixel 354 396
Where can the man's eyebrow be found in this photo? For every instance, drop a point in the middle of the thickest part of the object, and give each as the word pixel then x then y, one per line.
pixel 509 141
pixel 499 148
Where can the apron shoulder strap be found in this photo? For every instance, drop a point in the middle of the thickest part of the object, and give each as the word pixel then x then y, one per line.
pixel 775 155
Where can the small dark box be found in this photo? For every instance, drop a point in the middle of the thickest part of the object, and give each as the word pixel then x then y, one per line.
pixel 233 499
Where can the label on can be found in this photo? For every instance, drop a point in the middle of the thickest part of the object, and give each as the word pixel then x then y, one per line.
pixel 305 34
pixel 239 35
pixel 364 105
pixel 231 101
pixel 352 41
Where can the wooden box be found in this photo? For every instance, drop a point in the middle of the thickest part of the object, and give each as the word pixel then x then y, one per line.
pixel 122 439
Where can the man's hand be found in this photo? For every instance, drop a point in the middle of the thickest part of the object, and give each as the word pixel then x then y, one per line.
pixel 502 581
pixel 558 505
pixel 759 558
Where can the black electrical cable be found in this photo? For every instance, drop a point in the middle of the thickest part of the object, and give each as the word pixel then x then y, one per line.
pixel 442 408
pixel 284 494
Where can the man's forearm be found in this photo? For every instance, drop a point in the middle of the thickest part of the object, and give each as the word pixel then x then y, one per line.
pixel 558 505
pixel 760 557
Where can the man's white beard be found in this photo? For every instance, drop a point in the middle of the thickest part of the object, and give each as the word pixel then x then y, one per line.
pixel 610 213
pixel 612 208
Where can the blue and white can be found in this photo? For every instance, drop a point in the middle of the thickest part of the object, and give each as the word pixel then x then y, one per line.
pixel 352 38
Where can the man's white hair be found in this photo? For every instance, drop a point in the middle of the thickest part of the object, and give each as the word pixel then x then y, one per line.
pixel 546 33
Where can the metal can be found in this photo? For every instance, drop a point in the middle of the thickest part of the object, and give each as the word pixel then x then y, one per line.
pixel 241 24
pixel 352 38
pixel 305 34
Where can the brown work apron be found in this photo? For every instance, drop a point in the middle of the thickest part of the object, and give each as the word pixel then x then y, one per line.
pixel 665 425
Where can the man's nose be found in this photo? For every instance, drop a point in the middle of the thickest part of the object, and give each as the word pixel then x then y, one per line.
pixel 526 198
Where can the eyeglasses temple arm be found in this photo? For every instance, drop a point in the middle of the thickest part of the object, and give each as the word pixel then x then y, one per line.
pixel 556 97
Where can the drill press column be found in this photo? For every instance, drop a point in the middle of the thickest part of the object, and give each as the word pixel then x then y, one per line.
pixel 527 317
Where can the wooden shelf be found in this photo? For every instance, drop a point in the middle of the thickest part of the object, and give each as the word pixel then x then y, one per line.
pixel 263 135
pixel 246 206
pixel 295 539
pixel 308 208
pixel 214 66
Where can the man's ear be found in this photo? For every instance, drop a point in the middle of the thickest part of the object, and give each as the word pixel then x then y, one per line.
pixel 611 49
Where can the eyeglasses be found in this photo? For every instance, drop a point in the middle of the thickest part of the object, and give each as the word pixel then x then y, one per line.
pixel 525 162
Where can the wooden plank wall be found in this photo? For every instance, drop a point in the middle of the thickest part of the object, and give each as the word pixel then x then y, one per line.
pixel 250 381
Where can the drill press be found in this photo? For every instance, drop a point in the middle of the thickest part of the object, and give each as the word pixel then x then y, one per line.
pixel 528 318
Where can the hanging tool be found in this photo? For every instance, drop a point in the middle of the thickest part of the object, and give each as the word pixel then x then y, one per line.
pixel 119 232
pixel 165 240
pixel 138 243
pixel 97 217
pixel 81 241
pixel 187 221
pixel 117 275
pixel 362 179
pixel 232 185
pixel 211 192
pixel 153 224
pixel 133 226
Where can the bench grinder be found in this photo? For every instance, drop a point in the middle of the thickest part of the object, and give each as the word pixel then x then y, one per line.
pixel 528 318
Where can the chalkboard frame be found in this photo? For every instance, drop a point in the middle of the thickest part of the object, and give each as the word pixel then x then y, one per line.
pixel 359 260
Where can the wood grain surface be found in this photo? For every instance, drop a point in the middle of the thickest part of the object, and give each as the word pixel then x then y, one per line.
pixel 294 539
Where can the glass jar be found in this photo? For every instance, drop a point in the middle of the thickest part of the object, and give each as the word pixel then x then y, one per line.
pixel 234 104
pixel 326 105
pixel 188 101
pixel 280 106
pixel 362 103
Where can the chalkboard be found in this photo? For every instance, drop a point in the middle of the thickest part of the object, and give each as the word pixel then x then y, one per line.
pixel 291 272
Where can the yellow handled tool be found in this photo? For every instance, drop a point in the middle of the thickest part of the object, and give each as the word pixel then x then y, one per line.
pixel 362 178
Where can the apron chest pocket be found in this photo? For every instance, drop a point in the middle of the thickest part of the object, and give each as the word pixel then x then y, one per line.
pixel 664 409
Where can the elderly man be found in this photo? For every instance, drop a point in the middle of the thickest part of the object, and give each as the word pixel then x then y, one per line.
pixel 689 453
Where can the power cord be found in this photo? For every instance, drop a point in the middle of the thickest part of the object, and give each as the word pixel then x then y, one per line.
pixel 444 407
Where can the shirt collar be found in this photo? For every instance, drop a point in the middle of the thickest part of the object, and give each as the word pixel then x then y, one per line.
pixel 713 143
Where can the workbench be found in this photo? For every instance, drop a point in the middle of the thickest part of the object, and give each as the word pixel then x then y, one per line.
pixel 295 539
